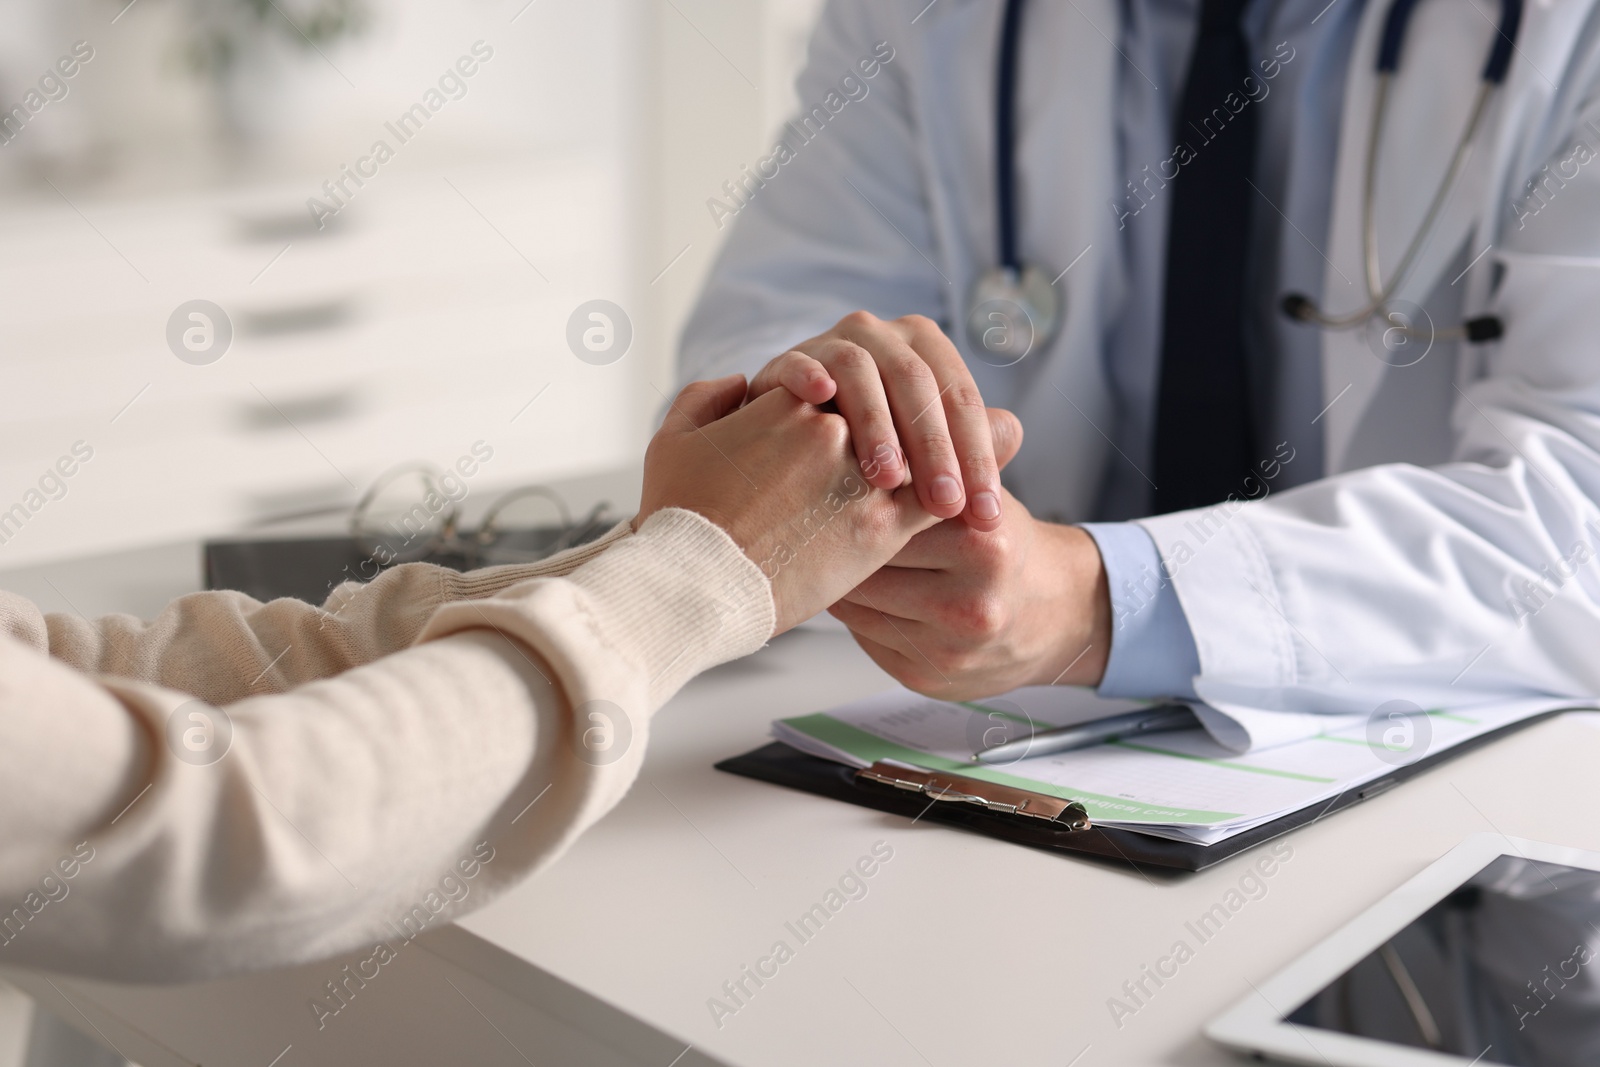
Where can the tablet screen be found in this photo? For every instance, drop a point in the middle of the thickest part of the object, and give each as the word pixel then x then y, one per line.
pixel 1506 969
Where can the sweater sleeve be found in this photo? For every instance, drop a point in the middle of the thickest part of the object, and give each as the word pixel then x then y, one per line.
pixel 223 646
pixel 157 836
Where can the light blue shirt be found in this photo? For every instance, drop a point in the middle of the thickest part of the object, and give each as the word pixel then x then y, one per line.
pixel 1152 648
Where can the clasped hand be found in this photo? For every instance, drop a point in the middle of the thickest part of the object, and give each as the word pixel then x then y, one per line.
pixel 778 475
pixel 943 577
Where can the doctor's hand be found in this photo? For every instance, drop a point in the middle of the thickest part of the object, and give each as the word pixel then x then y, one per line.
pixel 963 613
pixel 908 397
pixel 778 475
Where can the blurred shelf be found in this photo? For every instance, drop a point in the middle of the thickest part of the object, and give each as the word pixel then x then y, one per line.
pixel 429 318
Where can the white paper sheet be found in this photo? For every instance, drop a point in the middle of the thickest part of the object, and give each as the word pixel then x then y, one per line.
pixel 1183 785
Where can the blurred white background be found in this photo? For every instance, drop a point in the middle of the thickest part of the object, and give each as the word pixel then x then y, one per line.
pixel 429 314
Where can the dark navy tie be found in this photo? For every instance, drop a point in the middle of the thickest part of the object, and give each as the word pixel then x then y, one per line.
pixel 1204 442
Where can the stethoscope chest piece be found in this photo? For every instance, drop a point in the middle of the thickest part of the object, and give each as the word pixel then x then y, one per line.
pixel 1010 313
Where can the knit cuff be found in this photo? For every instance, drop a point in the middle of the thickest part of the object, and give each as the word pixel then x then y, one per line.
pixel 487 581
pixel 682 596
pixel 651 612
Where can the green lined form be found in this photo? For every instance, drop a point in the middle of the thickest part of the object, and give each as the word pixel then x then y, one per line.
pixel 1438 713
pixel 1182 785
pixel 1231 764
pixel 985 709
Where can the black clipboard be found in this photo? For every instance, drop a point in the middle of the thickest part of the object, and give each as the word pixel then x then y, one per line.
pixel 782 764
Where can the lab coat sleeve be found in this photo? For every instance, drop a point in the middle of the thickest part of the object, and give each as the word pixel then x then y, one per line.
pixel 356 811
pixel 1472 581
pixel 843 225
pixel 1152 649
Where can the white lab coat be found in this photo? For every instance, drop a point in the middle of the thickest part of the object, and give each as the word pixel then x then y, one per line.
pixel 1387 580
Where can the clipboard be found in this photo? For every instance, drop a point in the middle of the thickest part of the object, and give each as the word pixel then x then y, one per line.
pixel 1052 825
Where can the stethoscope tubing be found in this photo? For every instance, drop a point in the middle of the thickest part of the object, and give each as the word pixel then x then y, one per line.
pixel 1005 131
pixel 1379 294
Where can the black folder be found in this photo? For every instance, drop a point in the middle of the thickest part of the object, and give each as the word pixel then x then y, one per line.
pixel 309 568
pixel 782 764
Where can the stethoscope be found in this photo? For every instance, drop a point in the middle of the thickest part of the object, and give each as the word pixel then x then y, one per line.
pixel 1483 328
pixel 1014 307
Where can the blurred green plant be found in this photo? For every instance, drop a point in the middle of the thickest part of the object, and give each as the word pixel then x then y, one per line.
pixel 224 30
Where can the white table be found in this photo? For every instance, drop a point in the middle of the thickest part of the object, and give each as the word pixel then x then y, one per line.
pixel 963 951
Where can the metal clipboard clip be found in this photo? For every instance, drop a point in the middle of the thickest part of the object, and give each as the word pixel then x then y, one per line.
pixel 954 788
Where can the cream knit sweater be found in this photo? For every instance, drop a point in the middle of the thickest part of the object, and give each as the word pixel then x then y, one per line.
pixel 397 757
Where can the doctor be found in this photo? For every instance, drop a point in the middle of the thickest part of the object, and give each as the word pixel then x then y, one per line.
pixel 1305 289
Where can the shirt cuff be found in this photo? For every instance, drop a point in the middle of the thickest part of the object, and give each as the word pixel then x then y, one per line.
pixel 1153 653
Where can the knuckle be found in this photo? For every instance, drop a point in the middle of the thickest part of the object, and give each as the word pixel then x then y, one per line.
pixel 928 335
pixel 979 463
pixel 874 525
pixel 858 320
pixel 960 662
pixel 963 398
pixel 905 365
pixel 934 440
pixel 978 616
pixel 828 431
pixel 919 324
pixel 850 356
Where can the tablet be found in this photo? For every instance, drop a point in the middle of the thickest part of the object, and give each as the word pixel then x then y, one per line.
pixel 1489 956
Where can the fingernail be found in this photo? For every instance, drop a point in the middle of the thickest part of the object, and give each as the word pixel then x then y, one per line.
pixel 944 490
pixel 883 459
pixel 986 506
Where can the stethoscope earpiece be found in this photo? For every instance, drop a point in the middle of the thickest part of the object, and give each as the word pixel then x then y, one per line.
pixel 1484 328
pixel 1298 306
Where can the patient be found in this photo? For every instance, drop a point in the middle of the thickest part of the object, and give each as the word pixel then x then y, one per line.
pixel 237 786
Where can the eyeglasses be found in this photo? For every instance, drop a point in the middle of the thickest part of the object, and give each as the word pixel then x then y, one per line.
pixel 413 512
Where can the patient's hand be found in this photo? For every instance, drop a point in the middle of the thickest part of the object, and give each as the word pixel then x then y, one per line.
pixel 779 475
pixel 907 394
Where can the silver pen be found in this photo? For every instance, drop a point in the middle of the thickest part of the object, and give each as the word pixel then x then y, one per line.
pixel 1081 735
